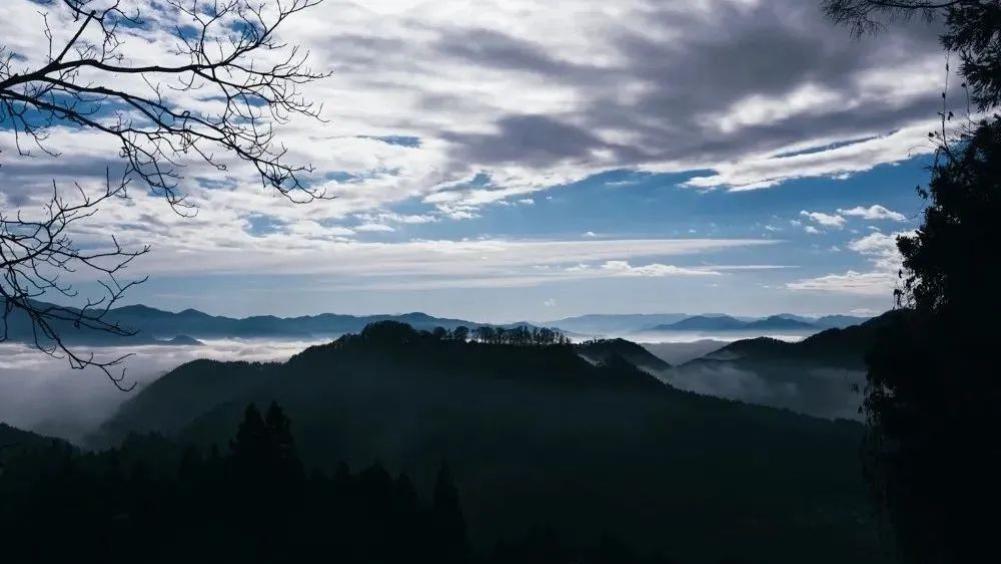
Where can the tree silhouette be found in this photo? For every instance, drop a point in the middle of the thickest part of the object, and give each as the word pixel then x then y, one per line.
pixel 460 333
pixel 931 400
pixel 216 95
pixel 932 395
pixel 448 525
pixel 973 31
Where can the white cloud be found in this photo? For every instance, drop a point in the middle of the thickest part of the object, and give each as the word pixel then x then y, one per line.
pixel 432 263
pixel 759 109
pixel 851 282
pixel 623 268
pixel 391 217
pixel 880 249
pixel 811 230
pixel 374 228
pixel 767 170
pixel 874 212
pixel 827 220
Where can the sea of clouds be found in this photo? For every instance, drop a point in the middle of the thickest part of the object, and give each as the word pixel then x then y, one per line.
pixel 43 394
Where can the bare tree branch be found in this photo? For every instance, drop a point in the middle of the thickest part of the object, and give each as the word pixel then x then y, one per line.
pixel 226 56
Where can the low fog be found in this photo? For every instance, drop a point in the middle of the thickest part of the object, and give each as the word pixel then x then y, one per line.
pixel 43 394
pixel 822 392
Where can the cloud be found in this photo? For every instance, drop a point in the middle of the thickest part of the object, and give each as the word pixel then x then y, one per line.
pixel 880 249
pixel 874 212
pixel 852 282
pixel 826 220
pixel 489 262
pixel 757 171
pixel 623 268
pixel 374 228
pixel 563 90
pixel 43 394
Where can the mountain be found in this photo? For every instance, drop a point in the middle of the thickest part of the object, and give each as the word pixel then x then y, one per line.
pixel 183 340
pixel 840 321
pixel 155 326
pixel 779 323
pixel 827 321
pixel 539 436
pixel 819 376
pixel 796 317
pixel 703 323
pixel 13 439
pixel 605 350
pixel 836 347
pixel 682 352
pixel 598 324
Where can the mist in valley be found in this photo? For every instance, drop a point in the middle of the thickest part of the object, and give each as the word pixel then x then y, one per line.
pixel 43 394
pixel 827 392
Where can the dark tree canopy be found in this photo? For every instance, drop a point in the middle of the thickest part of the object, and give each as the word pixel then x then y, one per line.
pixel 211 100
pixel 933 394
pixel 152 500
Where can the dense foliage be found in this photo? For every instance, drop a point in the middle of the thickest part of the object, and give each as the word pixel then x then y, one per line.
pixel 933 392
pixel 151 500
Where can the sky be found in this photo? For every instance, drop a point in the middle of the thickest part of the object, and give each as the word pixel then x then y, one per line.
pixel 532 160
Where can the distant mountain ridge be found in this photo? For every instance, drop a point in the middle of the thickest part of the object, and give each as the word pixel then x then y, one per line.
pixel 781 322
pixel 187 327
pixel 819 376
pixel 626 324
pixel 837 347
pixel 160 327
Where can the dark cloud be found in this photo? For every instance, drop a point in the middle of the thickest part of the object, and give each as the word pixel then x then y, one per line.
pixel 717 60
pixel 529 140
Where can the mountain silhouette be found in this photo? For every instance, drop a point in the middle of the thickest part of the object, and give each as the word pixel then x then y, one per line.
pixel 538 435
pixel 840 347
pixel 605 350
pixel 820 375
pixel 704 323
pixel 779 323
pixel 156 326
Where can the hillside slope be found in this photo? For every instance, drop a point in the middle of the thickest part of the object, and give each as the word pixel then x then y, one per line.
pixel 819 376
pixel 540 436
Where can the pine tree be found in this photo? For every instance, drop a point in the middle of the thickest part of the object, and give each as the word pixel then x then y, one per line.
pixel 447 521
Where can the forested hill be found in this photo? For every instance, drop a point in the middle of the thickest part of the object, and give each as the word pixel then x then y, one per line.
pixel 12 438
pixel 847 346
pixel 604 350
pixel 820 375
pixel 538 436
